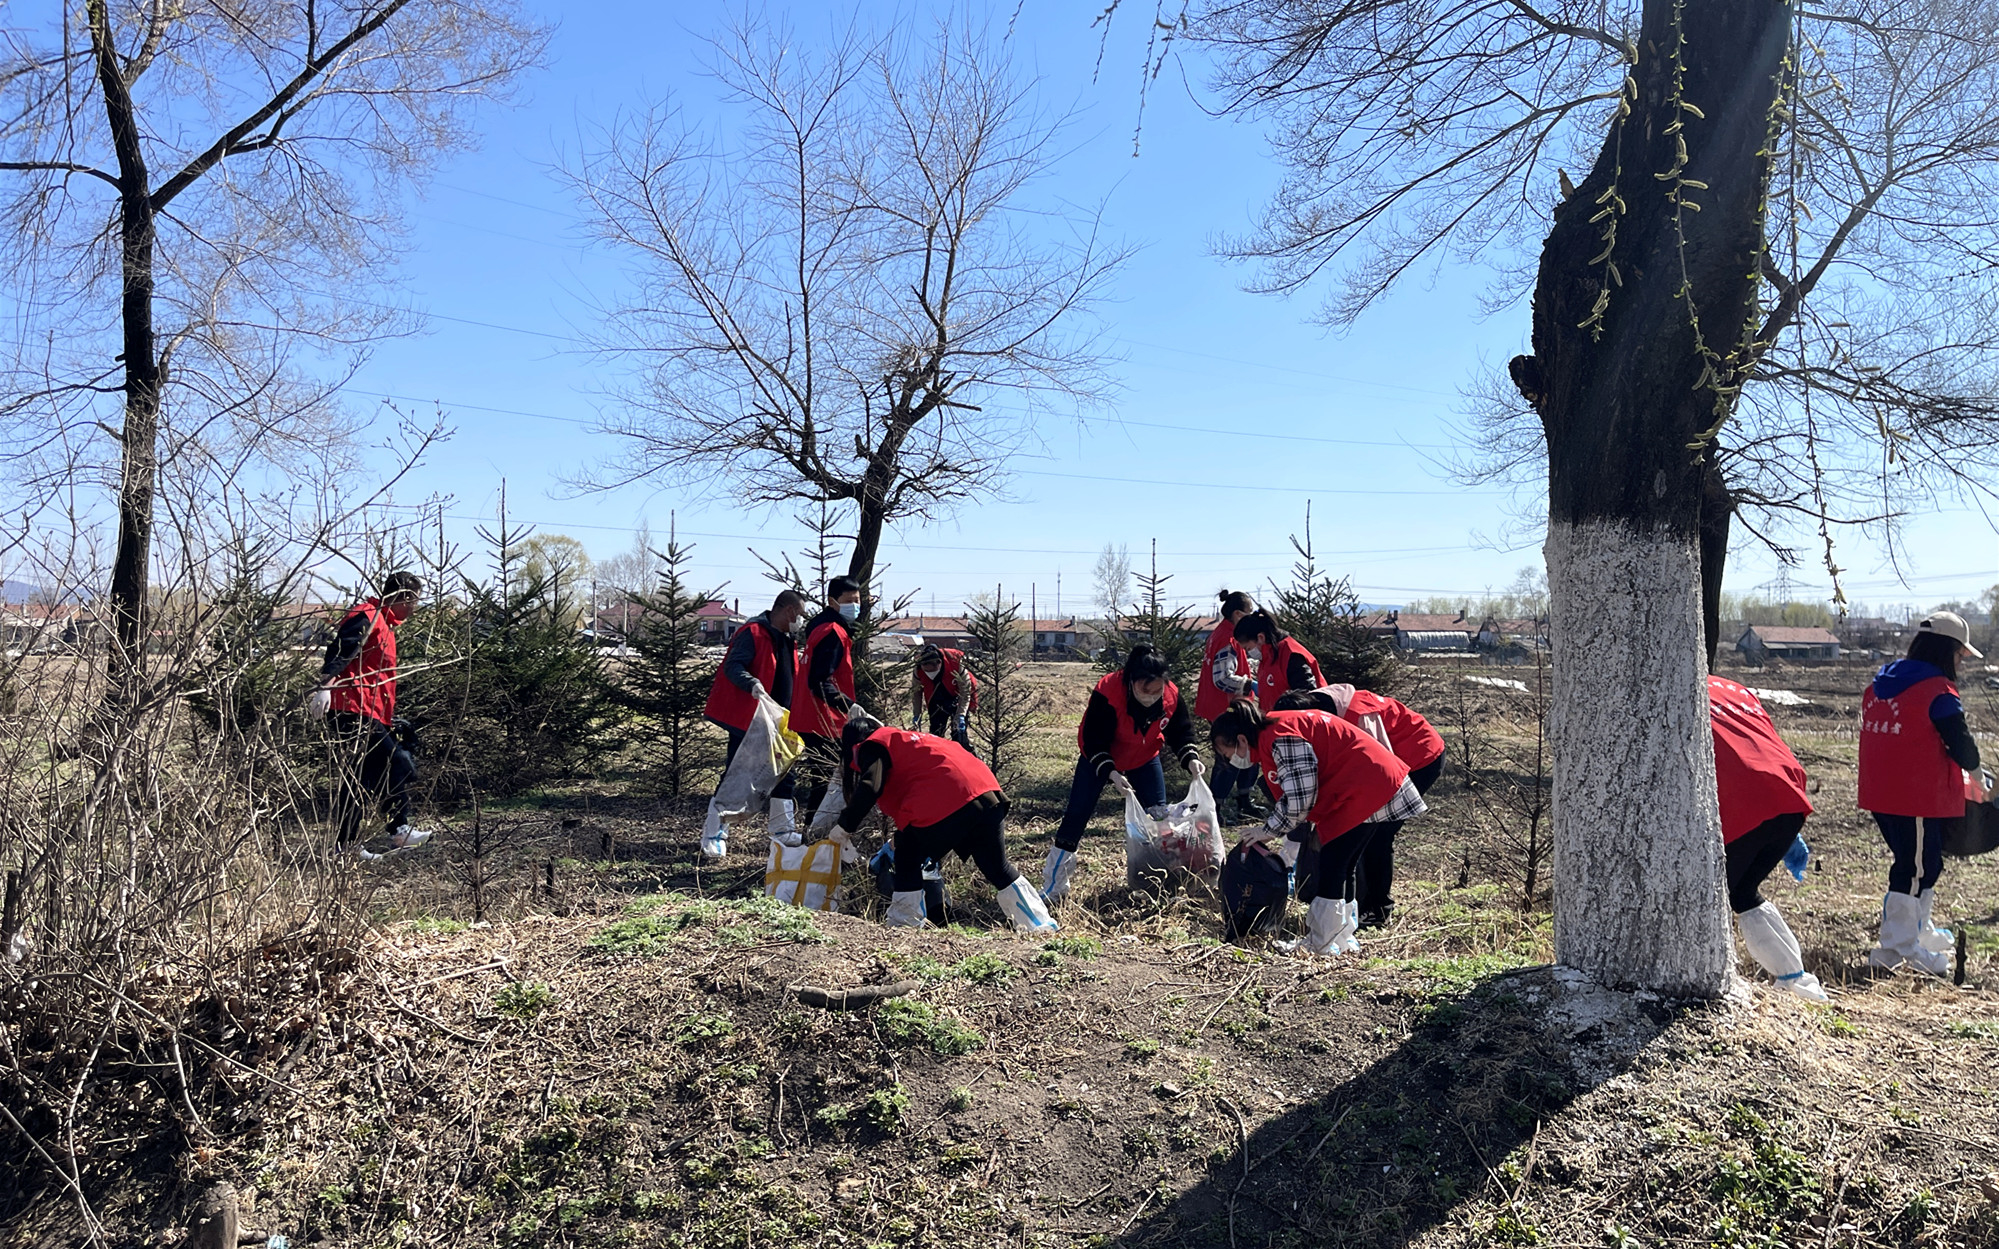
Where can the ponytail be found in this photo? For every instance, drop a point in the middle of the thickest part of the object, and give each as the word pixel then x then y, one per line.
pixel 1235 601
pixel 1242 719
pixel 1145 663
pixel 1258 624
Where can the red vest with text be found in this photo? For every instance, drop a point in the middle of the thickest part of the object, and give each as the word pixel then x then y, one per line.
pixel 1131 748
pixel 1357 775
pixel 1904 769
pixel 367 685
pixel 735 708
pixel 953 674
pixel 809 712
pixel 1409 735
pixel 929 778
pixel 1211 700
pixel 1274 671
pixel 1756 774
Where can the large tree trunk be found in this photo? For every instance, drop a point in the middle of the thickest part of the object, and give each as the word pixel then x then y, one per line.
pixel 1629 386
pixel 131 562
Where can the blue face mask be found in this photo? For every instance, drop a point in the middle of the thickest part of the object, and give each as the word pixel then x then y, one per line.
pixel 850 611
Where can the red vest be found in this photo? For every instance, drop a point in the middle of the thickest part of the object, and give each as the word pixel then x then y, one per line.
pixel 1357 775
pixel 1131 748
pixel 1755 772
pixel 367 685
pixel 809 712
pixel 1274 672
pixel 956 674
pixel 929 778
pixel 734 708
pixel 1904 769
pixel 1211 700
pixel 1409 735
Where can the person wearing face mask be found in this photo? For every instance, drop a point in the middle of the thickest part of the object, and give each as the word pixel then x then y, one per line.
pixel 942 683
pixel 825 689
pixel 1282 664
pixel 759 662
pixel 1225 675
pixel 942 800
pixel 1335 786
pixel 1914 748
pixel 1132 714
pixel 357 689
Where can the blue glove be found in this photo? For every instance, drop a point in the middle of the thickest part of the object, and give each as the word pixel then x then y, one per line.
pixel 961 724
pixel 1251 689
pixel 1798 857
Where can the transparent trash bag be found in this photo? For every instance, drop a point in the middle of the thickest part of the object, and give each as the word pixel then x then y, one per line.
pixel 768 752
pixel 1184 838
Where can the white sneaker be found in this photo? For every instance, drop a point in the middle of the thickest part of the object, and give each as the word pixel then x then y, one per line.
pixel 401 838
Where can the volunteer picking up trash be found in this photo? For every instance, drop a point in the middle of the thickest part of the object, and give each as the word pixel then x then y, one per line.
pixel 1914 750
pixel 1390 722
pixel 357 693
pixel 1132 714
pixel 825 691
pixel 1225 675
pixel 1334 787
pixel 941 800
pixel 942 684
pixel 1763 807
pixel 759 664
pixel 1282 663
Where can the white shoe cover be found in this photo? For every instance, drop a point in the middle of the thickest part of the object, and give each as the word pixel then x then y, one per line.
pixel 1772 944
pixel 714 837
pixel 1023 907
pixel 1327 927
pixel 1349 933
pixel 1932 938
pixel 780 824
pixel 905 910
pixel 1056 874
pixel 1900 915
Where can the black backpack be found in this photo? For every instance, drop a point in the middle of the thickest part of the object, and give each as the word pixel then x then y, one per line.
pixel 1254 887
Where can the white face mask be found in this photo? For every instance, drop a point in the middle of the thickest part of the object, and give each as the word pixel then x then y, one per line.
pixel 850 611
pixel 1147 701
pixel 933 673
pixel 1241 763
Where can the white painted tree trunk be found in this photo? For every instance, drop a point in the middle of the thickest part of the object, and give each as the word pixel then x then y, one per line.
pixel 1640 887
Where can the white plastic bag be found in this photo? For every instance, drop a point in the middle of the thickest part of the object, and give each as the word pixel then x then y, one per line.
pixel 1185 837
pixel 769 749
pixel 807 876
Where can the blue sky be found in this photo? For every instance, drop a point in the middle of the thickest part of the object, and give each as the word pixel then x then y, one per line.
pixel 1206 449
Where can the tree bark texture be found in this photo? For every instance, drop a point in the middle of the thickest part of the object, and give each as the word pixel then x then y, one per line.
pixel 1642 309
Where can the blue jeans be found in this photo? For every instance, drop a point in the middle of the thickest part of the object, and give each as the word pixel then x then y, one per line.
pixel 1148 782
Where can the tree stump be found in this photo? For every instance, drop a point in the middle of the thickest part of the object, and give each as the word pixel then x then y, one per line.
pixel 215 1219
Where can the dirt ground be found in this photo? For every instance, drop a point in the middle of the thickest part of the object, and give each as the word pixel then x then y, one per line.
pixel 619 1053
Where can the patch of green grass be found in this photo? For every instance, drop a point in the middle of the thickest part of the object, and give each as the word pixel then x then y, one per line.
pixel 986 969
pixel 654 923
pixel 910 1022
pixel 960 1099
pixel 1077 946
pixel 834 1115
pixel 1830 1021
pixel 523 999
pixel 646 936
pixel 436 926
pixel 1511 1229
pixel 701 1029
pixel 886 1110
pixel 1978 1029
pixel 1142 1048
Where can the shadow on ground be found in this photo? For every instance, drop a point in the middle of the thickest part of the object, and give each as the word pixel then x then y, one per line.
pixel 1395 1150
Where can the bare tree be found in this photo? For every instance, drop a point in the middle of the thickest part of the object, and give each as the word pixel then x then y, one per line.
pixel 1110 584
pixel 195 191
pixel 849 301
pixel 1417 127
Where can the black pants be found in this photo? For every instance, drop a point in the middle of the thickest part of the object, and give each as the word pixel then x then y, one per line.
pixel 944 722
pixel 736 736
pixel 975 830
pixel 1374 874
pixel 379 773
pixel 1917 844
pixel 1324 869
pixel 1756 854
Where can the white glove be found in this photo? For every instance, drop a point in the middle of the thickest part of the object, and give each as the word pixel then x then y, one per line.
pixel 318 703
pixel 1196 768
pixel 1288 851
pixel 757 690
pixel 1123 785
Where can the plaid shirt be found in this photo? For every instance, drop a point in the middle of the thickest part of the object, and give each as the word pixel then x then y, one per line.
pixel 1297 770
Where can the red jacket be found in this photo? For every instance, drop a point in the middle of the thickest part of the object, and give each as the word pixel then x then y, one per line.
pixel 733 708
pixel 1409 734
pixel 1756 774
pixel 811 713
pixel 929 778
pixel 1904 769
pixel 1273 672
pixel 367 685
pixel 1357 775
pixel 1211 700
pixel 1130 748
pixel 954 674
